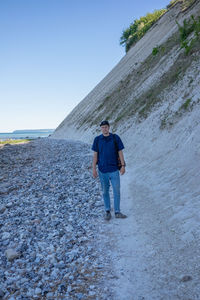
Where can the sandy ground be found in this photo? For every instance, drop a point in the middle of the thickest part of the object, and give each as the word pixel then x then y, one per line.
pixel 150 259
pixel 156 249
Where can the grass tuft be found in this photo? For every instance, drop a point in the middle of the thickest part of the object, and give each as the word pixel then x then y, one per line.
pixel 10 141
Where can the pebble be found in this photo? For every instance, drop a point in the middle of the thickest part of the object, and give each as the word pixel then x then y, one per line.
pixel 91 293
pixel 186 278
pixel 5 235
pixel 69 289
pixel 2 209
pixel 1 294
pixel 49 295
pixel 9 204
pixel 51 222
pixel 11 254
pixel 38 291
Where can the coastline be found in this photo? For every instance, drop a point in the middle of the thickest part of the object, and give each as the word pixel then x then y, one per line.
pixel 25 134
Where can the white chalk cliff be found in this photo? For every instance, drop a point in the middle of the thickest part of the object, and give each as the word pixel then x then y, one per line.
pixel 153 103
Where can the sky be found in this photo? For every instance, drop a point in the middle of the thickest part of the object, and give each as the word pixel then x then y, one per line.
pixel 54 52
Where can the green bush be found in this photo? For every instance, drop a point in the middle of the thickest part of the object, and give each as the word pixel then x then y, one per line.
pixel 191 25
pixel 185 3
pixel 186 29
pixel 155 51
pixel 138 28
pixel 186 104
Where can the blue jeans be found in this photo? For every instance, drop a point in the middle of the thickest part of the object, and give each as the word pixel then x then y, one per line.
pixel 105 179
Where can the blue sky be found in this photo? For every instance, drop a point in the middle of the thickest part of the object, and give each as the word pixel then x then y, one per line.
pixel 54 52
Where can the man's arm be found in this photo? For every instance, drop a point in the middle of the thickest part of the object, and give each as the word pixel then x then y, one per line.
pixel 94 163
pixel 121 157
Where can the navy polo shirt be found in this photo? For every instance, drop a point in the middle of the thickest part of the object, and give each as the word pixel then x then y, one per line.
pixel 107 154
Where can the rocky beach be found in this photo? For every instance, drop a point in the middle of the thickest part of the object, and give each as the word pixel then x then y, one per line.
pixel 53 238
pixel 55 243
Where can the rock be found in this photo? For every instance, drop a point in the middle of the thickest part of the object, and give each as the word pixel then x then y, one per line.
pixel 92 287
pixel 2 209
pixel 80 296
pixel 69 289
pixel 36 221
pixel 30 293
pixel 186 278
pixel 11 254
pixel 49 295
pixel 5 236
pixel 38 291
pixel 1 294
pixel 9 204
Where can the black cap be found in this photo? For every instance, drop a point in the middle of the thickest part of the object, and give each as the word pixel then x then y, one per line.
pixel 104 123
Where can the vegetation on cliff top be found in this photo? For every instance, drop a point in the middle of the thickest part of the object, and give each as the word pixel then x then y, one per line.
pixel 138 28
pixel 131 35
pixel 185 3
pixel 190 26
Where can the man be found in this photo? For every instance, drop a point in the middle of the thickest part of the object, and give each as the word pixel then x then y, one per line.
pixel 107 147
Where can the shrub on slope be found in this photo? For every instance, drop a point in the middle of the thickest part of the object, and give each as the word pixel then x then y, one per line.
pixel 138 28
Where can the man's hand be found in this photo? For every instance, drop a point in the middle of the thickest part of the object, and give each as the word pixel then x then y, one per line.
pixel 94 164
pixel 95 173
pixel 121 157
pixel 122 170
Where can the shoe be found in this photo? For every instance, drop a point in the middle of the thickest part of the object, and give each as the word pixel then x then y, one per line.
pixel 107 216
pixel 120 216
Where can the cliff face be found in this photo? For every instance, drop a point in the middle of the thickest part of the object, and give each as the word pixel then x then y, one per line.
pixel 153 102
pixel 141 84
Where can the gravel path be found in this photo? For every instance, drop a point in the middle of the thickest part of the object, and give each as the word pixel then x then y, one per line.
pixel 52 236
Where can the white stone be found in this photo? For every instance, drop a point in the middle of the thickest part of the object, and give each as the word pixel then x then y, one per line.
pixel 11 254
pixel 2 209
pixel 38 291
pixel 9 204
pixel 5 236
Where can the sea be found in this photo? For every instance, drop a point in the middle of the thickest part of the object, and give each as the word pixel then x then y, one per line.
pixel 25 134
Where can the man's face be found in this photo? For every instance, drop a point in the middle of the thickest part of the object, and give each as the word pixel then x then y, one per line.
pixel 105 129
